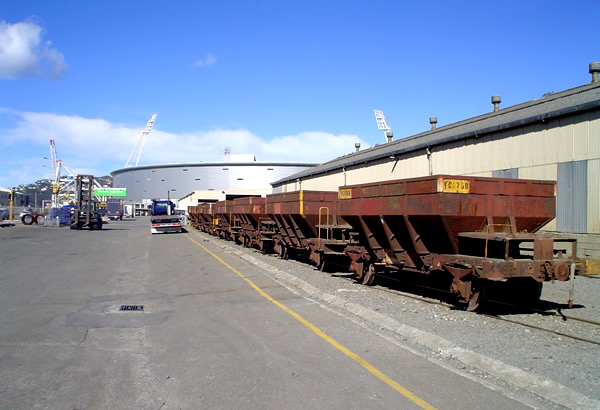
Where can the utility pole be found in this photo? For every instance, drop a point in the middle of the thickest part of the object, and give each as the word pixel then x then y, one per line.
pixel 10 204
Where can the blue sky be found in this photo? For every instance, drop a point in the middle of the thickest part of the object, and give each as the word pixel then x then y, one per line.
pixel 284 80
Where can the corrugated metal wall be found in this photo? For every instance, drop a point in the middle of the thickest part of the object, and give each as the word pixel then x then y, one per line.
pixel 593 200
pixel 530 152
pixel 542 172
pixel 572 199
pixel 506 173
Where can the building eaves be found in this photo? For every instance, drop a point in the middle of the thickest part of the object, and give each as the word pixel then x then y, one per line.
pixel 211 164
pixel 549 106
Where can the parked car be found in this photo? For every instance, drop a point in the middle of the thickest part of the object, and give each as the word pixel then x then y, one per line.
pixel 3 214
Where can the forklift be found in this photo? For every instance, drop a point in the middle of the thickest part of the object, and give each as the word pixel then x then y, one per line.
pixel 86 213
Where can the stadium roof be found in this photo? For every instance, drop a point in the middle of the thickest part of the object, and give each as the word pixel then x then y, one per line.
pixel 212 164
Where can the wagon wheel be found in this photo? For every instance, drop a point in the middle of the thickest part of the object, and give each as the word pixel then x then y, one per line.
pixel 283 252
pixel 478 296
pixel 265 247
pixel 369 275
pixel 322 265
pixel 270 247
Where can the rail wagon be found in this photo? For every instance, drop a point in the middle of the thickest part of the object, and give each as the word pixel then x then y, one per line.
pixel 194 216
pixel 206 219
pixel 256 228
pixel 227 225
pixel 476 229
pixel 299 219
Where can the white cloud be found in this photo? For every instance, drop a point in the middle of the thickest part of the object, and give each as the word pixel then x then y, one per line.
pixel 206 62
pixel 311 144
pixel 103 146
pixel 22 52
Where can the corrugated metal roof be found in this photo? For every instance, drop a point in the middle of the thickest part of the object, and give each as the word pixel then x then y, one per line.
pixel 549 106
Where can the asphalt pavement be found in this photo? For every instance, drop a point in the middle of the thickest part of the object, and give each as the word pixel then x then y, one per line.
pixel 211 331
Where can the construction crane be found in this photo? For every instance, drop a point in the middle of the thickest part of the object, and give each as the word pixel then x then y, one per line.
pixel 140 144
pixel 55 173
pixel 53 158
pixel 382 125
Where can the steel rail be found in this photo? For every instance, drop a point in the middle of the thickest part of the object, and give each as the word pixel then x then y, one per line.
pixel 449 306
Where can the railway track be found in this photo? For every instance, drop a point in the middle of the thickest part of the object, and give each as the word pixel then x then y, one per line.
pixel 508 307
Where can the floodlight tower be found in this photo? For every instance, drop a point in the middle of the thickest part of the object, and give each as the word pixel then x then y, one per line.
pixel 382 125
pixel 140 144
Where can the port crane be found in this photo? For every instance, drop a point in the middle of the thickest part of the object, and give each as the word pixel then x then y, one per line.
pixel 64 188
pixel 140 144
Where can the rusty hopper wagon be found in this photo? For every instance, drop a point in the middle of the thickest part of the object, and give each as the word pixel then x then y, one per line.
pixel 299 217
pixel 256 228
pixel 194 215
pixel 206 219
pixel 201 217
pixel 228 226
pixel 476 230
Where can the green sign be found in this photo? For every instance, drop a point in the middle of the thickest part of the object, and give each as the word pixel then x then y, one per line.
pixel 110 191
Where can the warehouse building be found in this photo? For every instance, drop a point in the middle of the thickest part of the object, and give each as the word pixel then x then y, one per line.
pixel 175 181
pixel 19 198
pixel 203 196
pixel 556 137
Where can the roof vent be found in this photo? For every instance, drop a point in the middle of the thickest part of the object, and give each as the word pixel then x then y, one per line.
pixel 594 70
pixel 389 135
pixel 357 146
pixel 496 101
pixel 433 122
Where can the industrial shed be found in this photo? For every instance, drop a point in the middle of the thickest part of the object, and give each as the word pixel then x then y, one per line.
pixel 20 199
pixel 175 181
pixel 203 196
pixel 555 137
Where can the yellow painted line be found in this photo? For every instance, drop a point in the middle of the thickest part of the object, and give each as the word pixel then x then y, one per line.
pixel 380 375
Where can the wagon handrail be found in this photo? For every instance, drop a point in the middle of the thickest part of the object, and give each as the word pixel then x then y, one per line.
pixel 487 235
pixel 319 227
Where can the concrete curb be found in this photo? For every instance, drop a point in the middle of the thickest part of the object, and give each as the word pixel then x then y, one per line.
pixel 547 389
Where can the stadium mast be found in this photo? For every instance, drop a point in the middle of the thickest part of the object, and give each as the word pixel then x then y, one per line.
pixel 140 144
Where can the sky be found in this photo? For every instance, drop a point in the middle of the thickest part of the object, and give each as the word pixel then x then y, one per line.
pixel 287 81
